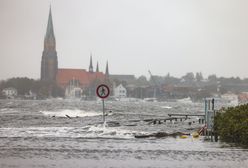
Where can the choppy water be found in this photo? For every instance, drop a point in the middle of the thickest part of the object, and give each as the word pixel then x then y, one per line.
pixel 38 134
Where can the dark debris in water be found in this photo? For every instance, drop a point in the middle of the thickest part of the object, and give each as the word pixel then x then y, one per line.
pixel 160 135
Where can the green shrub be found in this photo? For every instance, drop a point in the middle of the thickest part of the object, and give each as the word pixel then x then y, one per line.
pixel 231 124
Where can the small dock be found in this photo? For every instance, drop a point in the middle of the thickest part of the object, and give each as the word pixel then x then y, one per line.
pixel 163 120
pixel 187 115
pixel 172 117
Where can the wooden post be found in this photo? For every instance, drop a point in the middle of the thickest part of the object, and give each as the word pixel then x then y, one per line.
pixel 211 134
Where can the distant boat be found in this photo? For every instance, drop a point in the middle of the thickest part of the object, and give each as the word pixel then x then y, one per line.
pixel 185 100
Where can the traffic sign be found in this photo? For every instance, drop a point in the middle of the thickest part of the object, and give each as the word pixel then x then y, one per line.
pixel 102 91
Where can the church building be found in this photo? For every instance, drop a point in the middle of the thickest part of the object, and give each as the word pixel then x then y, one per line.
pixel 79 80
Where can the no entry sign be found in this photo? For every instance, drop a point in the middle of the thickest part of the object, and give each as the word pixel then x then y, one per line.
pixel 102 91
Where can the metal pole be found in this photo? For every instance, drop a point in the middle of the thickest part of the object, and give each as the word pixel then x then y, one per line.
pixel 206 108
pixel 103 112
pixel 206 116
pixel 212 104
pixel 209 104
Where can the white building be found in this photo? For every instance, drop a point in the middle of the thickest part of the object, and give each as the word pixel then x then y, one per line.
pixel 30 95
pixel 120 91
pixel 10 92
pixel 73 90
pixel 230 98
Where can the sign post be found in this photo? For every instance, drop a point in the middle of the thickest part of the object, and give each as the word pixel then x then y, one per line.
pixel 102 91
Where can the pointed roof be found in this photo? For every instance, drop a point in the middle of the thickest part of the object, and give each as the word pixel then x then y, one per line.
pixel 107 69
pixel 97 67
pixel 91 65
pixel 49 31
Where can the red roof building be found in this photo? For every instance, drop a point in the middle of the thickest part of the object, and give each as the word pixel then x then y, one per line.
pixel 64 76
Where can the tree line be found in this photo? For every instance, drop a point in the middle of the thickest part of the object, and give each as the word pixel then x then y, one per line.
pixel 24 86
pixel 142 85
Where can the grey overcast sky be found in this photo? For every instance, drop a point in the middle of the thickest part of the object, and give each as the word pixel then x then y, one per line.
pixel 176 36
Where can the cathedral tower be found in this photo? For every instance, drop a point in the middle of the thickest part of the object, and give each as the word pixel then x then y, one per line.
pixel 49 62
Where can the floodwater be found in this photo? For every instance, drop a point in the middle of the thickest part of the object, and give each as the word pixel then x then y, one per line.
pixel 63 133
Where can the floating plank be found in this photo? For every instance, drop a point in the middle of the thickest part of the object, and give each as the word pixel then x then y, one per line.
pixel 68 116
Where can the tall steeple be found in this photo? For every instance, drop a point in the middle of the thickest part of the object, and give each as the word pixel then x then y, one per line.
pixel 91 65
pixel 97 67
pixel 107 70
pixel 49 62
pixel 50 32
pixel 49 42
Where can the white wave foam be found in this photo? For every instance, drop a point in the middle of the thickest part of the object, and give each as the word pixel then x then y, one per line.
pixel 5 109
pixel 8 110
pixel 71 113
pixel 98 131
pixel 102 131
pixel 166 107
pixel 40 132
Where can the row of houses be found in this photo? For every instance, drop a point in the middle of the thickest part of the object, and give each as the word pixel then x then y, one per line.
pixel 10 92
pixel 119 91
pixel 73 90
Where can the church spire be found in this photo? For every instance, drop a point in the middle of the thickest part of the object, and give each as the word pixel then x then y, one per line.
pixel 97 67
pixel 49 42
pixel 91 65
pixel 50 32
pixel 107 70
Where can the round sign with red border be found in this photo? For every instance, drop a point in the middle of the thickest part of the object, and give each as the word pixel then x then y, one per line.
pixel 102 91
